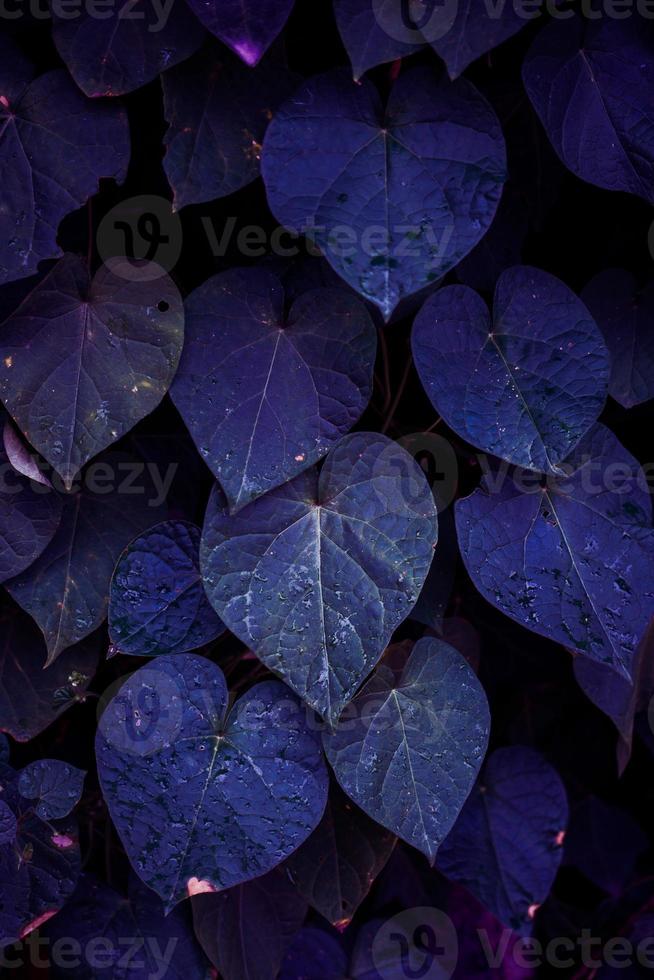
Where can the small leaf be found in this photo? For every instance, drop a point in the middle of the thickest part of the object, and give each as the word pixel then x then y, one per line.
pixel 316 575
pixel 506 844
pixel 55 786
pixel 409 748
pixel 266 395
pixel 205 797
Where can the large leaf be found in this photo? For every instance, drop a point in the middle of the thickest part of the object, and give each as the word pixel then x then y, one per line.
pixel 120 52
pixel 29 516
pixel 624 313
pixel 316 575
pixel 572 558
pixel 54 147
pixel 82 361
pixel 394 196
pixel 314 955
pixel 410 747
pixel 591 83
pixel 31 698
pixel 506 845
pixel 218 111
pixel 157 603
pixel 265 395
pixel 123 938
pixel 203 797
pixel 460 31
pixel 66 590
pixel 246 930
pixel 336 867
pixel 526 385
pixel 248 27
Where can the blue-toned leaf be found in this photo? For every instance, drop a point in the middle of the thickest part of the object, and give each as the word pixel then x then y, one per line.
pixel 506 845
pixel 314 955
pixel 435 595
pixel 157 603
pixel 21 457
pixel 66 590
pixel 83 361
pixel 123 938
pixel 52 787
pixel 218 111
pixel 460 31
pixel 39 868
pixel 316 575
pixel 591 83
pixel 336 867
pixel 31 698
pixel 394 198
pixel 119 52
pixel 526 385
pixel 625 313
pixel 570 559
pixel 409 748
pixel 246 930
pixel 248 27
pixel 604 842
pixel 8 823
pixel 54 148
pixel 203 797
pixel 266 395
pixel 29 517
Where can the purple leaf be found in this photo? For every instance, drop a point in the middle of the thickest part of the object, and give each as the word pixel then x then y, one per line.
pixel 316 575
pixel 393 197
pixel 569 559
pixel 506 845
pixel 314 955
pixel 54 148
pixel 246 930
pixel 31 698
pixel 54 788
pixel 66 590
pixel 603 842
pixel 120 52
pixel 20 457
pixel 526 385
pixel 106 353
pixel 409 748
pixel 592 82
pixel 205 797
pixel 29 517
pixel 8 824
pixel 218 111
pixel 335 868
pixel 624 313
pixel 264 394
pixel 248 27
pixel 157 603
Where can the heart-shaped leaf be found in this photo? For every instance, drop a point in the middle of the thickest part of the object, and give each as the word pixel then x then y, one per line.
pixel 203 797
pixel 54 147
pixel 246 930
pixel 54 788
pixel 248 27
pixel 157 603
pixel 591 81
pixel 460 31
pixel 31 698
pixel 29 517
pixel 107 351
pixel 316 575
pixel 393 197
pixel 624 314
pixel 218 111
pixel 336 867
pixel 120 51
pixel 409 748
pixel 506 844
pixel 569 558
pixel 66 590
pixel 525 386
pixel 266 395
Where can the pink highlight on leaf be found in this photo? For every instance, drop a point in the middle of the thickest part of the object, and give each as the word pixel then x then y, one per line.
pixel 198 886
pixel 4 101
pixel 248 52
pixel 35 923
pixel 62 840
pixel 531 911
pixel 560 837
